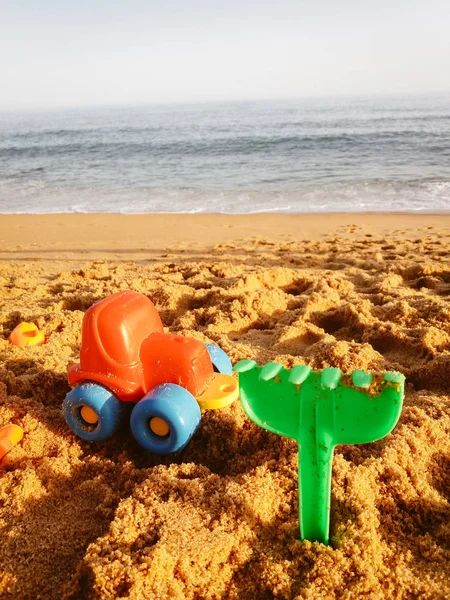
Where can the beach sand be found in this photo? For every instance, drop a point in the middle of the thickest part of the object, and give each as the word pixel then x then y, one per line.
pixel 220 520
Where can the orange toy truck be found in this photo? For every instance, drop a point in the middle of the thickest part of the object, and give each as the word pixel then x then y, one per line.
pixel 126 357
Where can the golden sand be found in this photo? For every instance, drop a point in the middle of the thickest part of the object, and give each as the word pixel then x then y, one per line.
pixel 220 520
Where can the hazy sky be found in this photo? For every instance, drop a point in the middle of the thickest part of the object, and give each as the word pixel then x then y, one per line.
pixel 85 52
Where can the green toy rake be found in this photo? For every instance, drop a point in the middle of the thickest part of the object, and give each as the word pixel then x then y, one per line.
pixel 319 409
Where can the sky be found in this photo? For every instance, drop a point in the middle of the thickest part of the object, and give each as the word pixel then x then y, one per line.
pixel 56 53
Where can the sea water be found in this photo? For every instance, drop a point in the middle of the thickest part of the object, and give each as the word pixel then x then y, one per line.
pixel 310 155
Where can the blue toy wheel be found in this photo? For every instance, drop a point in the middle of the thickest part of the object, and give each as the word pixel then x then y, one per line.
pixel 165 419
pixel 92 412
pixel 219 359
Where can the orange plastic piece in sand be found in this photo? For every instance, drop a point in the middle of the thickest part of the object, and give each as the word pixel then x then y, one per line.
pixel 26 334
pixel 9 437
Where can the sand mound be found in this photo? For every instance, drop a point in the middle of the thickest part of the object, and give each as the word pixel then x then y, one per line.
pixel 220 520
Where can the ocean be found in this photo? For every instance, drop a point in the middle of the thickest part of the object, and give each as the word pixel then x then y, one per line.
pixel 323 155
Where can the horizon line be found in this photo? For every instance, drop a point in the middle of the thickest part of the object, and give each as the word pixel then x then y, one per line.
pixel 160 103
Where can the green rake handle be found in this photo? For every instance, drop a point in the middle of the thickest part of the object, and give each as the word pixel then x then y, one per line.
pixel 319 410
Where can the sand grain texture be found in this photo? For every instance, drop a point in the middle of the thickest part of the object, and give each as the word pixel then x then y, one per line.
pixel 220 520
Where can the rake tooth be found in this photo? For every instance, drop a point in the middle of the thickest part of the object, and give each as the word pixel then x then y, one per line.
pixel 394 377
pixel 330 378
pixel 270 370
pixel 244 365
pixel 298 374
pixel 361 379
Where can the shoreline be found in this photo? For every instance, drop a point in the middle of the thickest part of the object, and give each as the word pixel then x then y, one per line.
pixel 112 235
pixel 235 214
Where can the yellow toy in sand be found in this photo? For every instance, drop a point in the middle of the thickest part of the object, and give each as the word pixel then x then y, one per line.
pixel 26 334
